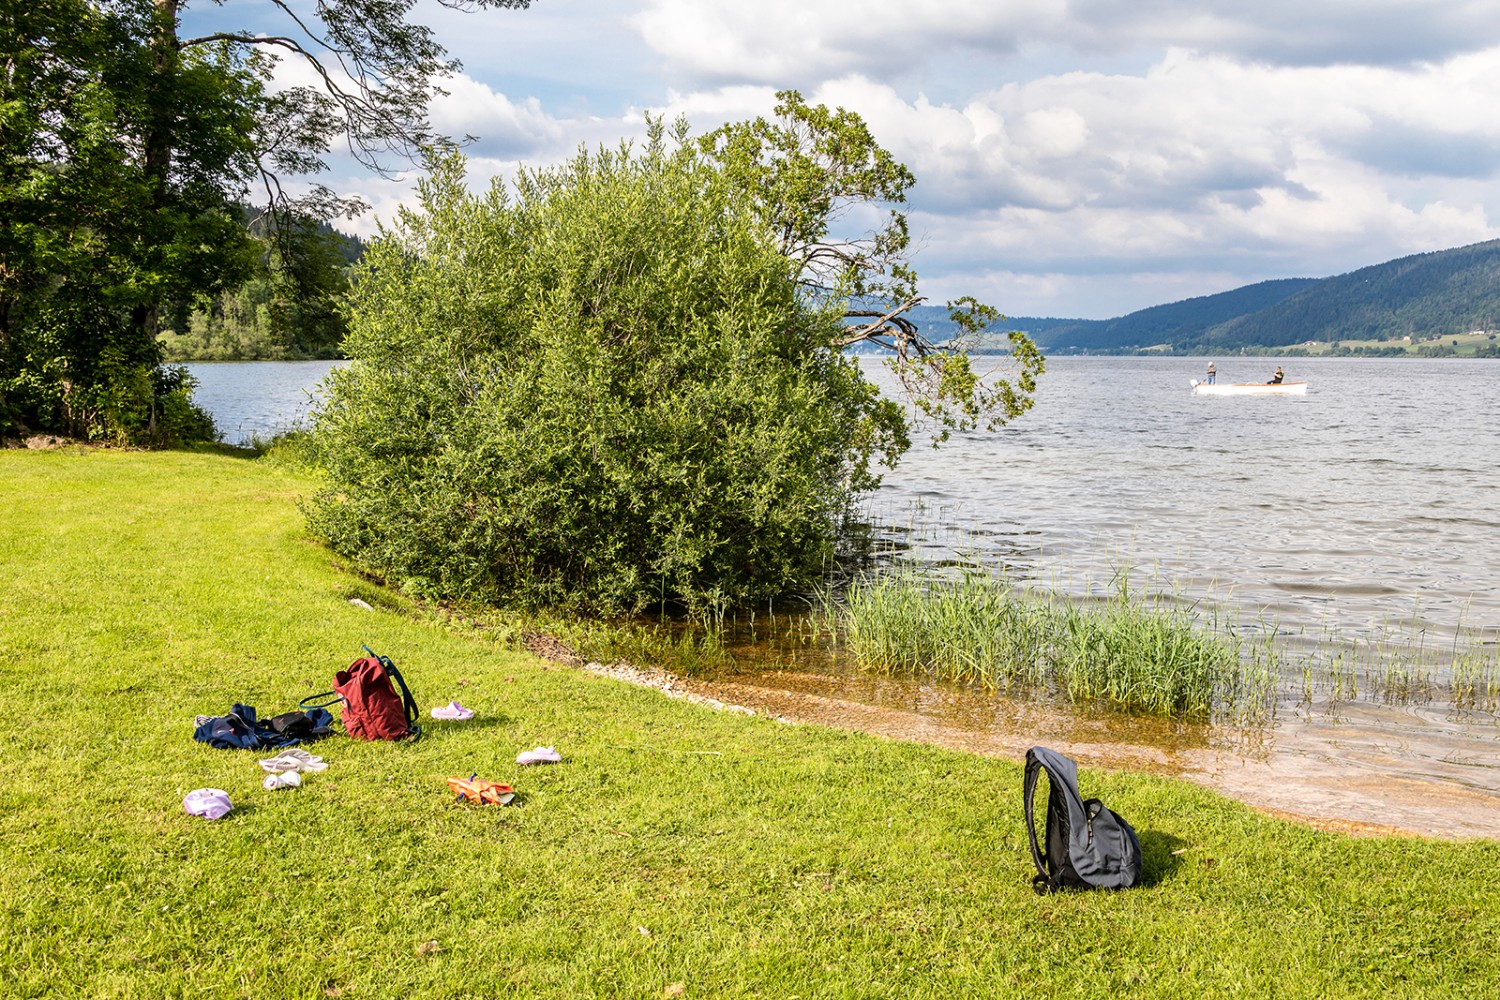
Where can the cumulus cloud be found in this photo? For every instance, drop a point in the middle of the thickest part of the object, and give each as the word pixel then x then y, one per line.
pixel 1097 155
pixel 791 40
pixel 782 41
pixel 1205 164
pixel 498 126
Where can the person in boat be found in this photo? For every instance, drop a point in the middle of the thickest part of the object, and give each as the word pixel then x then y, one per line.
pixel 1213 373
pixel 1276 379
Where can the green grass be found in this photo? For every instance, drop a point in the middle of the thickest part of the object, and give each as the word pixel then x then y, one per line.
pixel 1133 652
pixel 1460 344
pixel 736 856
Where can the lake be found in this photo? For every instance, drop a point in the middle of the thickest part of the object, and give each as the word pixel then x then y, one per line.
pixel 258 399
pixel 1366 510
pixel 1371 500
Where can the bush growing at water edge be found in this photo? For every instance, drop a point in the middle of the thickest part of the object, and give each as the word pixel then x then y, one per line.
pixel 615 387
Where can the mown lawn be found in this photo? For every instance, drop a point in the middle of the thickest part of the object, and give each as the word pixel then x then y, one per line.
pixel 675 851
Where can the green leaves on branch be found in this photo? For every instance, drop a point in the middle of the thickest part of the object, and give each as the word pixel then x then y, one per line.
pixel 805 172
pixel 816 179
pixel 603 389
pixel 126 154
pixel 625 381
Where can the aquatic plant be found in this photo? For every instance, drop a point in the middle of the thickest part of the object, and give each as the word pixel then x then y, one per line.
pixel 1133 652
pixel 1141 655
pixel 971 629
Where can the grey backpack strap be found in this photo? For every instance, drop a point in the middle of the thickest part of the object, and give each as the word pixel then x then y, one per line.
pixel 1041 881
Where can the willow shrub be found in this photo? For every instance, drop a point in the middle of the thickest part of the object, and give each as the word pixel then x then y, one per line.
pixel 603 390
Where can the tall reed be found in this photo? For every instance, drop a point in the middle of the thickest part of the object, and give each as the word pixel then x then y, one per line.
pixel 1141 655
pixel 971 629
pixel 1130 652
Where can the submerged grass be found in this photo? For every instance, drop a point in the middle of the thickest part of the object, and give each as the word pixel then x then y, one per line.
pixel 1143 650
pixel 675 850
pixel 1132 652
pixel 1398 665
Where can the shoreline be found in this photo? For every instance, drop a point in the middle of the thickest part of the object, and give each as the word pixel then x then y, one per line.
pixel 1351 797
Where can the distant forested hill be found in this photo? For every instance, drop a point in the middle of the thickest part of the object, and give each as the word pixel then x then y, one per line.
pixel 1443 294
pixel 1168 324
pixel 1429 295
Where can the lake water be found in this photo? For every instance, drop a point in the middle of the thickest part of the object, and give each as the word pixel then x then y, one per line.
pixel 1370 501
pixel 1366 509
pixel 258 399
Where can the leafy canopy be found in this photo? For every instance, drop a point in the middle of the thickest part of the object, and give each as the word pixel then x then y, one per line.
pixel 813 175
pixel 90 243
pixel 128 151
pixel 625 381
pixel 604 391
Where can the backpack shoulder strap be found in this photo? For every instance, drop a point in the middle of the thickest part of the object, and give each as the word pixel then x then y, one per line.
pixel 1041 881
pixel 323 700
pixel 408 703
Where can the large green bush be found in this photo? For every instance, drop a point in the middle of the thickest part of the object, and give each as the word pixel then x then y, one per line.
pixel 605 390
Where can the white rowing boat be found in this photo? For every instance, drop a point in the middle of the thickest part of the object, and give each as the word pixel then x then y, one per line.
pixel 1248 388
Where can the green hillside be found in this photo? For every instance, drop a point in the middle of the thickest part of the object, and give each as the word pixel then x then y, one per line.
pixel 1430 295
pixel 1444 302
pixel 1167 324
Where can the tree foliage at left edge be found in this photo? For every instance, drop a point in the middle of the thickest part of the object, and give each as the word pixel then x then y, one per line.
pixel 128 151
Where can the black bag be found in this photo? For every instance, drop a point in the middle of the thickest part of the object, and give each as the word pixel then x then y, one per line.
pixel 1087 846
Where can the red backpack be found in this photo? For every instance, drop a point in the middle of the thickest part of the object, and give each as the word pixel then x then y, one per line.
pixel 373 708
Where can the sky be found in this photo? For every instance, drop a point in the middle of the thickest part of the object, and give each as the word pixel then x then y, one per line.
pixel 1074 158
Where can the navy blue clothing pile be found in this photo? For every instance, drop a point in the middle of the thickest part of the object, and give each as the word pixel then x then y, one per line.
pixel 240 730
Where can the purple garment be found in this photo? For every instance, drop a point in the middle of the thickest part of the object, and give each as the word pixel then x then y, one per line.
pixel 210 803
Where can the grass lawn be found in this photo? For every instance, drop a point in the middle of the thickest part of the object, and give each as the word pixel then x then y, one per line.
pixel 675 851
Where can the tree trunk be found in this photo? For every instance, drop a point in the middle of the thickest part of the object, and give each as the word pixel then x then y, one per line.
pixel 159 144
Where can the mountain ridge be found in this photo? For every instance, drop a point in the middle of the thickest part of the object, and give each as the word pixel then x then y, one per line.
pixel 1388 308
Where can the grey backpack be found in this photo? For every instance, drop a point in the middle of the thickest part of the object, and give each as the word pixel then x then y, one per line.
pixel 1087 846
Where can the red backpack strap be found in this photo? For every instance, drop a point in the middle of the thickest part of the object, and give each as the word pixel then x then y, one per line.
pixel 408 703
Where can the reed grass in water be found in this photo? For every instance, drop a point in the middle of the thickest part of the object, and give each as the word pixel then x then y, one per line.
pixel 1142 651
pixel 1130 652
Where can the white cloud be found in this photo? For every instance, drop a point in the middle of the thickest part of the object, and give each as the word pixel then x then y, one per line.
pixel 1097 155
pixel 499 125
pixel 780 41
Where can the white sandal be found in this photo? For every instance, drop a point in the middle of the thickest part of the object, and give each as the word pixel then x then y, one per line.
pixel 541 755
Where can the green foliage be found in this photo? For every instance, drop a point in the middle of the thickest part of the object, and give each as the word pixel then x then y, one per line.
pixel 807 172
pixel 93 245
pixel 126 151
pixel 1132 652
pixel 290 310
pixel 803 172
pixel 607 391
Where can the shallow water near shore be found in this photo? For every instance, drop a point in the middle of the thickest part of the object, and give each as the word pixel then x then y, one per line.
pixel 1351 771
pixel 1361 517
pixel 1363 512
